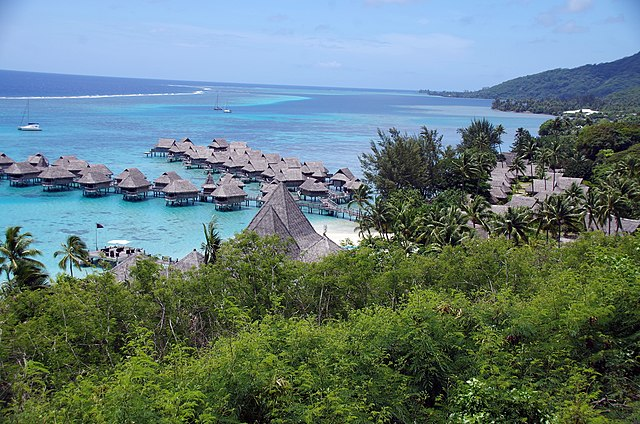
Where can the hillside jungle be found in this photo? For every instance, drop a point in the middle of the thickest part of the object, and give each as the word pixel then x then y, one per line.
pixel 446 312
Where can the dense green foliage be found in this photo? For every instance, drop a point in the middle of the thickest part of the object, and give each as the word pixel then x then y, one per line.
pixel 608 86
pixel 508 334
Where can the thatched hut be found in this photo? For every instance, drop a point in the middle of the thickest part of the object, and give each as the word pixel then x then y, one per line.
pixel 291 177
pixel 98 167
pixel 216 161
pixel 341 177
pixel 94 183
pixel 254 169
pixel 280 215
pixel 196 157
pixel 162 146
pixel 313 189
pixel 177 151
pixel 38 160
pixel 219 145
pixel 228 196
pixel 180 192
pixel 164 180
pixel 56 178
pixel 272 158
pixel 230 179
pixel 135 185
pixel 291 162
pixel 193 260
pixel 208 187
pixel 315 170
pixel 22 174
pixel 5 162
pixel 235 163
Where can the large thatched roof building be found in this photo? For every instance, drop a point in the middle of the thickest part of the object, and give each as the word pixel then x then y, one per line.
pixel 281 215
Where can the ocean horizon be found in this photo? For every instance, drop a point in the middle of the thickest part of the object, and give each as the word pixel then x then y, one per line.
pixel 115 120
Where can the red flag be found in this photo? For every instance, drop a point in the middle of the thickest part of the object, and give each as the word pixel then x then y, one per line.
pixel 99 225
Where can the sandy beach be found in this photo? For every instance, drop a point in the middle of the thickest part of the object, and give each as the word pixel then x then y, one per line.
pixel 338 230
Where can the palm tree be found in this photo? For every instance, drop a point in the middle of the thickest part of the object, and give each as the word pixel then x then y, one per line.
pixel 444 226
pixel 212 242
pixel 477 210
pixel 16 257
pixel 361 196
pixel 543 159
pixel 575 195
pixel 556 155
pixel 557 215
pixel 515 224
pixel 73 252
pixel 593 208
pixel 518 166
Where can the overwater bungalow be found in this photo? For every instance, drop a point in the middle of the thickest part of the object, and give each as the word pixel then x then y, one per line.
pixel 216 161
pixel 235 163
pixel 238 146
pixel 94 183
pixel 281 216
pixel 230 179
pixel 177 151
pixel 341 177
pixel 22 174
pixel 272 158
pixel 291 162
pixel 134 186
pixel 208 187
pixel 254 169
pixel 253 154
pixel 273 169
pixel 180 192
pixel 164 180
pixel 219 145
pixel 98 167
pixel 55 178
pixel 315 170
pixel 72 164
pixel 196 157
pixel 5 162
pixel 162 146
pixel 292 178
pixel 38 160
pixel 228 196
pixel 313 189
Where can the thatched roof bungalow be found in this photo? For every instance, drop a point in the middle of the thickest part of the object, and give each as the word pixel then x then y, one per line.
pixel 219 145
pixel 193 260
pixel 5 162
pixel 94 183
pixel 230 179
pixel 99 167
pixel 197 157
pixel 315 170
pixel 22 174
pixel 291 162
pixel 164 180
pixel 272 158
pixel 291 177
pixel 228 196
pixel 235 163
pixel 238 146
pixel 180 192
pixel 56 178
pixel 281 216
pixel 38 160
pixel 313 189
pixel 177 151
pixel 255 168
pixel 162 146
pixel 341 177
pixel 208 187
pixel 135 185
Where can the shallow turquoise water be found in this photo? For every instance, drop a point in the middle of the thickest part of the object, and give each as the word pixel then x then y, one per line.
pixel 331 125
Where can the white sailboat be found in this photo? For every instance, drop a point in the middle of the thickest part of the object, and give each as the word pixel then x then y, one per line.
pixel 30 126
pixel 217 106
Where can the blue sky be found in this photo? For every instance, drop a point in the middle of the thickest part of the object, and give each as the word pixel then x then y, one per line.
pixel 410 44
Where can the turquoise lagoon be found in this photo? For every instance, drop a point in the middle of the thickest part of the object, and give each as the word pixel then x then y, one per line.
pixel 328 124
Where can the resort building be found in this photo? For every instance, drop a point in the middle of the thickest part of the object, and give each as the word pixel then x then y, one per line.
pixel 22 174
pixel 280 215
pixel 219 145
pixel 94 183
pixel 208 187
pixel 5 162
pixel 134 185
pixel 162 147
pixel 56 178
pixel 315 170
pixel 313 189
pixel 228 196
pixel 38 160
pixel 180 192
pixel 164 180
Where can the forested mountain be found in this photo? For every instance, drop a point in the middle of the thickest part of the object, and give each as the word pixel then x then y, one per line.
pixel 613 85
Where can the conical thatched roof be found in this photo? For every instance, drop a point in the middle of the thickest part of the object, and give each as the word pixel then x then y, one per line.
pixel 21 168
pixel 311 186
pixel 56 173
pixel 134 179
pixel 38 160
pixel 165 143
pixel 93 177
pixel 227 191
pixel 209 183
pixel 343 174
pixel 180 187
pixel 193 259
pixel 99 167
pixel 272 158
pixel 167 177
pixel 122 269
pixel 230 179
pixel 6 160
pixel 291 162
pixel 281 215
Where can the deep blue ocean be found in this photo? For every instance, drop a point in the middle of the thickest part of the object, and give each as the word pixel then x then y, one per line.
pixel 115 120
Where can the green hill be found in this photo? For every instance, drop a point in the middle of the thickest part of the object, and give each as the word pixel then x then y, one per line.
pixel 611 86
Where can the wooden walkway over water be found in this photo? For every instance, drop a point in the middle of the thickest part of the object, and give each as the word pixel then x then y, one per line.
pixel 323 207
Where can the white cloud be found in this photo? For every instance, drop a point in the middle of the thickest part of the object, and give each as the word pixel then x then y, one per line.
pixel 570 28
pixel 575 6
pixel 329 65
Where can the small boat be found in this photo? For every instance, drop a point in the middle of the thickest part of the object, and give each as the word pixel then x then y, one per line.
pixel 217 106
pixel 31 126
pixel 226 110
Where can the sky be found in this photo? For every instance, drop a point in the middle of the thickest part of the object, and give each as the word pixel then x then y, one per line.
pixel 396 44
